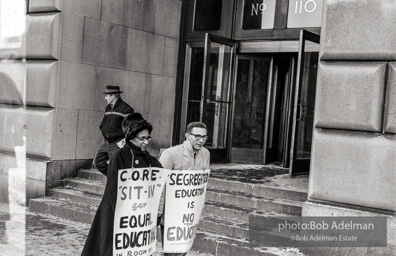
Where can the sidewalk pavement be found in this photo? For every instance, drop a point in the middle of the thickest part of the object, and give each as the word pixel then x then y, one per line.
pixel 43 234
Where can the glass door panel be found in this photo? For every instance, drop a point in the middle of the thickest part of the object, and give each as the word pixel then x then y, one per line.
pixel 191 99
pixel 304 99
pixel 250 99
pixel 251 86
pixel 215 118
pixel 278 148
pixel 306 106
pixel 278 127
pixel 215 97
pixel 207 91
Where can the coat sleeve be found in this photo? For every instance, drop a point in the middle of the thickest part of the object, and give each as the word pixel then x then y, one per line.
pixel 166 159
pixel 116 163
pixel 127 109
pixel 103 120
pixel 131 110
pixel 101 123
pixel 207 160
pixel 161 206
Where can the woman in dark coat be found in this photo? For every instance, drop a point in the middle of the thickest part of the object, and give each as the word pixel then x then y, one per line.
pixel 137 130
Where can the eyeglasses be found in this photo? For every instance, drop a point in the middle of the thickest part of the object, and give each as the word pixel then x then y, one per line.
pixel 148 138
pixel 198 136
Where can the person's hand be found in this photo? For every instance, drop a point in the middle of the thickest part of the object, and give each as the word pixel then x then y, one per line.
pixel 121 143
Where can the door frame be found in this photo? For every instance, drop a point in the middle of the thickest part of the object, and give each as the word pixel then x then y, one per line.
pixel 272 47
pixel 217 154
pixel 299 166
pixel 239 48
pixel 251 56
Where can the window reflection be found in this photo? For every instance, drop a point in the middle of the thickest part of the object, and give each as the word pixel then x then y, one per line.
pixel 12 129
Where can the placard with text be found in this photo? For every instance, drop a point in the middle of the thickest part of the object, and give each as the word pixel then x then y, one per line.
pixel 184 201
pixel 138 195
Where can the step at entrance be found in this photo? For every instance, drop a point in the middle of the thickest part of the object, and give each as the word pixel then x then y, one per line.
pixel 234 202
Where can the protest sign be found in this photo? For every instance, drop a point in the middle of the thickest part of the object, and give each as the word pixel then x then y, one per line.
pixel 138 195
pixel 184 200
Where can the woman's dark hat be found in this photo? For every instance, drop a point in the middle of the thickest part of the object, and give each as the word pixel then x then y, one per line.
pixel 133 124
pixel 111 89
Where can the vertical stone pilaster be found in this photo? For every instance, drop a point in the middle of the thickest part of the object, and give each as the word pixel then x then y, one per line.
pixel 354 138
pixel 354 86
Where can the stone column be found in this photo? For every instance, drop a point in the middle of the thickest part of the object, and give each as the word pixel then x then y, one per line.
pixel 353 172
pixel 34 73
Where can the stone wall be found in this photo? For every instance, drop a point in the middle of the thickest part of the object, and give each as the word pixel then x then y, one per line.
pixel 354 143
pixel 73 50
pixel 134 44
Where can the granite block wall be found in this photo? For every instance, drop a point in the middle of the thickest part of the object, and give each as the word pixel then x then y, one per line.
pixel 134 45
pixel 89 44
pixel 354 136
pixel 35 79
pixel 28 120
pixel 71 50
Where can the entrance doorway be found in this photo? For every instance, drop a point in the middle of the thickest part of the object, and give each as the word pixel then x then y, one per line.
pixel 263 107
pixel 207 91
pixel 257 99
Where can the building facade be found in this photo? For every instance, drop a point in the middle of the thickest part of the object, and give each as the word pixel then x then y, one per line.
pixel 303 84
pixel 59 60
pixel 239 66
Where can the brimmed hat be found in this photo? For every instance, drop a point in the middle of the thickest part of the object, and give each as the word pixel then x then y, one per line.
pixel 133 124
pixel 111 89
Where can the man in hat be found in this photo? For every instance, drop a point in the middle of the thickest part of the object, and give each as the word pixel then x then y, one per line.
pixel 111 127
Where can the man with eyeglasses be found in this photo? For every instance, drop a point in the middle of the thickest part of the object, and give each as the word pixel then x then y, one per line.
pixel 190 155
pixel 113 136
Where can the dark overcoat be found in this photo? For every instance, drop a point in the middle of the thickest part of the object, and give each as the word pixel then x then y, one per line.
pixel 111 124
pixel 100 238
